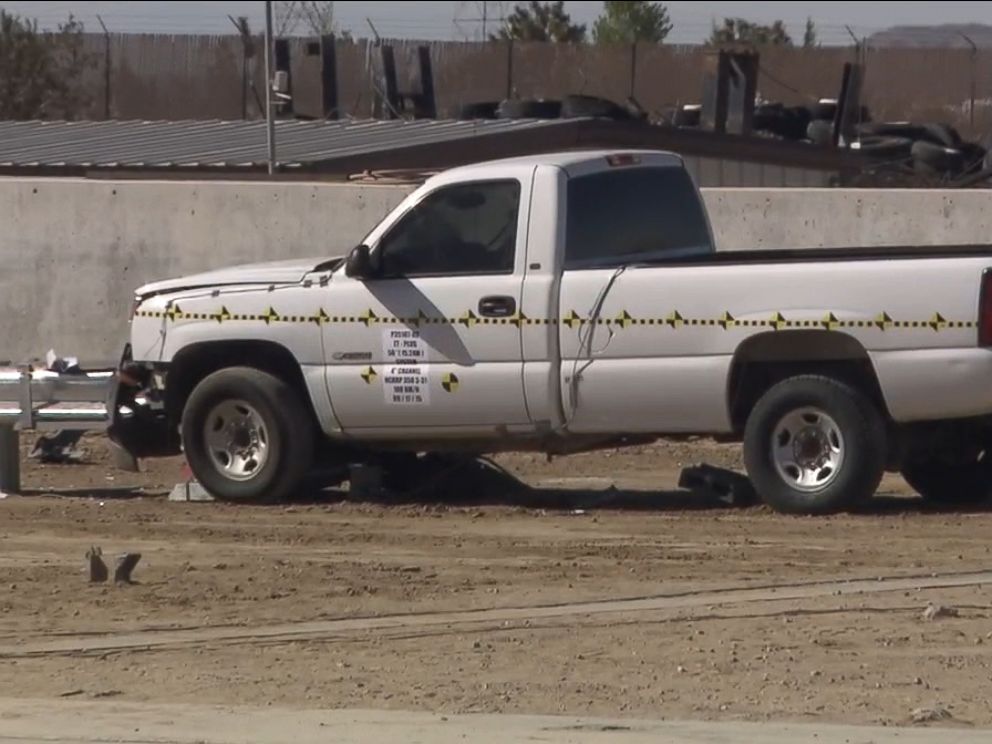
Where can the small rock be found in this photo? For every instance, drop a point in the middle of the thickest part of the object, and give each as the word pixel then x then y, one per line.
pixel 410 569
pixel 933 612
pixel 477 644
pixel 917 681
pixel 925 715
pixel 815 673
pixel 71 693
pixel 680 669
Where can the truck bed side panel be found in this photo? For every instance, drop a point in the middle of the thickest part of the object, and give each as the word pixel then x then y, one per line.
pixel 652 352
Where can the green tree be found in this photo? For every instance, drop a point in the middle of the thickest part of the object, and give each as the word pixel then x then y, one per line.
pixel 624 22
pixel 537 21
pixel 741 31
pixel 40 71
pixel 809 35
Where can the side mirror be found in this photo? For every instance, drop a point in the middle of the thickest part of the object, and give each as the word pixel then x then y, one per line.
pixel 359 263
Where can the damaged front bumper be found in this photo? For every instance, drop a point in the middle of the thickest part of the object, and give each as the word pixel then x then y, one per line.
pixel 139 426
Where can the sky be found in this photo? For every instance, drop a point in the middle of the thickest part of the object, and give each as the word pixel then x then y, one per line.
pixel 463 20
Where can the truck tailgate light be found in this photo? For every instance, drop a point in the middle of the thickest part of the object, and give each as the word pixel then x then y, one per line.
pixel 622 159
pixel 985 310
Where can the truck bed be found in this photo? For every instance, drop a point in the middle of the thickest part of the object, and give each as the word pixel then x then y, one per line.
pixel 811 255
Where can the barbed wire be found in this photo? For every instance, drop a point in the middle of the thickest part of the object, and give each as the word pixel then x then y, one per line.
pixel 690 27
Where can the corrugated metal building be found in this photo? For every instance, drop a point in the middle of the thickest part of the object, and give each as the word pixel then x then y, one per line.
pixel 339 149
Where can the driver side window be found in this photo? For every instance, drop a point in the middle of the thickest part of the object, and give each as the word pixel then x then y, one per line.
pixel 469 228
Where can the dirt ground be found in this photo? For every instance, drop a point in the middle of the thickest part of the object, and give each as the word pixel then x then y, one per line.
pixel 589 529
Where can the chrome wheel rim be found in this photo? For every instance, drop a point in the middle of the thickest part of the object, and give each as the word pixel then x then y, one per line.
pixel 236 439
pixel 807 449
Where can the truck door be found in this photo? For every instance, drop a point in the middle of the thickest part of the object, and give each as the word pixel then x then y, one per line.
pixel 434 340
pixel 638 352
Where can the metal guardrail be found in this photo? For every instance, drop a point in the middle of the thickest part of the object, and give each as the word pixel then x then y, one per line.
pixel 43 400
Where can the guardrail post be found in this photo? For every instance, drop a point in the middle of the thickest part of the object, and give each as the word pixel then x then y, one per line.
pixel 10 460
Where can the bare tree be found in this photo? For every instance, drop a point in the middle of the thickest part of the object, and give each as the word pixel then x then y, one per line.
pixel 285 17
pixel 314 18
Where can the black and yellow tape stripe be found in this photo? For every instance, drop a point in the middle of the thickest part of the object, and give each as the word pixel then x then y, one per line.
pixel 673 320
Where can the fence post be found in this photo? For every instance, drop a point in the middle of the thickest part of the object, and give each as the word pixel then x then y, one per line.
pixel 329 77
pixel 633 68
pixel 509 68
pixel 10 460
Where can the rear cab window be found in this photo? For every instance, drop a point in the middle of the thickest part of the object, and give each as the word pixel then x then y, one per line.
pixel 624 215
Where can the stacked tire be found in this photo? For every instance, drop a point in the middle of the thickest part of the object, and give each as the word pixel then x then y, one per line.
pixel 930 149
pixel 570 107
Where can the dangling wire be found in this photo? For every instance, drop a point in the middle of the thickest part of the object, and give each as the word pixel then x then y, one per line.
pixel 576 374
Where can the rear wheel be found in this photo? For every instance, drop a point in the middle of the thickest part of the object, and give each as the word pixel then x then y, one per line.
pixel 944 482
pixel 247 435
pixel 814 445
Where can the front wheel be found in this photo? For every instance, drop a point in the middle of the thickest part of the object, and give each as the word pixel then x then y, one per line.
pixel 247 435
pixel 814 445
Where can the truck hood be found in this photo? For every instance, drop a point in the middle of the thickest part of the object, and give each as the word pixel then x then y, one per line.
pixel 271 272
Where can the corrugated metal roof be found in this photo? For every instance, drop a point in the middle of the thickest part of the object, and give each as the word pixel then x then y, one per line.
pixel 226 144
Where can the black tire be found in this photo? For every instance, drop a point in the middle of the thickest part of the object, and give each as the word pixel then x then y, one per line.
pixel 574 107
pixel 974 156
pixel 887 148
pixel 864 445
pixel 687 117
pixel 289 434
pixel 936 134
pixel 788 123
pixel 951 483
pixel 482 110
pixel 823 111
pixel 942 134
pixel 820 132
pixel 528 109
pixel 931 158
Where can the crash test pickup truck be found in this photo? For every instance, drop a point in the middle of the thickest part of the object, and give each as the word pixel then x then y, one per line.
pixel 566 302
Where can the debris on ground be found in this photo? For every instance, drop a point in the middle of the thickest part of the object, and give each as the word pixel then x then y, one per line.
pixel 927 715
pixel 125 565
pixel 190 491
pixel 935 612
pixel 98 569
pixel 719 484
pixel 58 448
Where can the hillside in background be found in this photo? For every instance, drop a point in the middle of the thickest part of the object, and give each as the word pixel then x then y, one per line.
pixel 946 36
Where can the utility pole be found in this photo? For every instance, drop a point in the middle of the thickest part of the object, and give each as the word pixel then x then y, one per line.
pixel 270 112
pixel 974 54
pixel 106 69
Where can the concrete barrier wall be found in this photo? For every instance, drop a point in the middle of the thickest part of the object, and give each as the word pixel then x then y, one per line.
pixel 72 251
pixel 747 219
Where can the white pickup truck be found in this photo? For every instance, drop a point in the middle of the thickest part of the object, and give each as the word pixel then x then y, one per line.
pixel 567 302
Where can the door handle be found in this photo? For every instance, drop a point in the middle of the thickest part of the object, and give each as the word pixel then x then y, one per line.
pixel 497 306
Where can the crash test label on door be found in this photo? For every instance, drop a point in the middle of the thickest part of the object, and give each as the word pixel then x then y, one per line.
pixel 407 379
pixel 407 385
